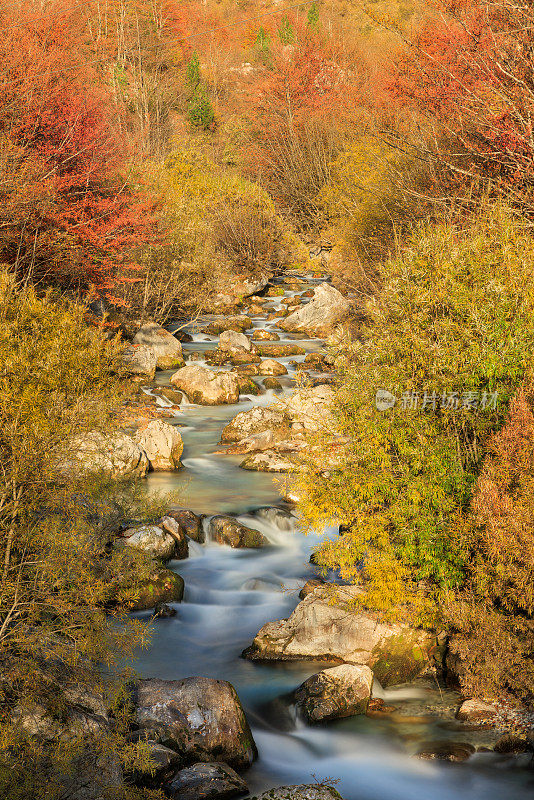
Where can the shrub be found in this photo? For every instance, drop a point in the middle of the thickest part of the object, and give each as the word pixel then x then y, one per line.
pixel 454 314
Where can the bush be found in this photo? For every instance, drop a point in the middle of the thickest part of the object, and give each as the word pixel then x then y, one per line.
pixel 453 315
pixel 57 628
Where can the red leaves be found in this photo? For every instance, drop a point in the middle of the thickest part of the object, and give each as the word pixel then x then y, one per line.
pixel 55 120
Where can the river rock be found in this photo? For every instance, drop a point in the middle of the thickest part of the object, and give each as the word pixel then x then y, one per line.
pixel 317 317
pixel 163 765
pixel 280 350
pixel 267 461
pixel 265 335
pixel 329 627
pixel 312 791
pixel 333 693
pixel 211 781
pixel 474 711
pixel 248 386
pixel 115 455
pixel 310 586
pixel 150 539
pixel 162 443
pixel 169 394
pixel 201 718
pixel 206 387
pixel 167 349
pixel 256 420
pixel 311 407
pixel 232 342
pixel 174 529
pixel 162 586
pixel 139 360
pixel 271 367
pixel 239 323
pixel 273 384
pixel 190 522
pixel 227 530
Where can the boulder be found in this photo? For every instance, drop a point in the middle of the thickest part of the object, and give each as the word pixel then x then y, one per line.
pixel 162 586
pixel 329 625
pixel 267 336
pixel 227 530
pixel 162 443
pixel 273 384
pixel 474 711
pixel 235 288
pixel 201 718
pixel 257 420
pixel 190 522
pixel 139 360
pixel 268 461
pixel 167 349
pixel 115 455
pixel 169 394
pixel 333 693
pixel 163 765
pixel 174 529
pixel 150 539
pixel 310 586
pixel 280 350
pixel 314 791
pixel 318 317
pixel 203 386
pixel 239 323
pixel 311 407
pixel 232 342
pixel 248 386
pixel 271 367
pixel 210 781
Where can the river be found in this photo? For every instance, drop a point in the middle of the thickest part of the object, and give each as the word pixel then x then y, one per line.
pixel 230 594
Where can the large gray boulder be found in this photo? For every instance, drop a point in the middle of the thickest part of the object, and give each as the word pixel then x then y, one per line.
pixel 257 420
pixel 162 444
pixel 317 317
pixel 139 360
pixel 115 455
pixel 311 407
pixel 304 792
pixel 333 693
pixel 211 781
pixel 327 626
pixel 166 348
pixel 201 718
pixel 206 387
pixel 234 342
pixel 149 539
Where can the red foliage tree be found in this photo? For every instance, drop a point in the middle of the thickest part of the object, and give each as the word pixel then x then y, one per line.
pixel 67 218
pixel 470 73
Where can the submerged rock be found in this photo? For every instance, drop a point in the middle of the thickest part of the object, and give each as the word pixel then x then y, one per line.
pixel 162 443
pixel 201 718
pixel 303 792
pixel 474 710
pixel 446 751
pixel 206 387
pixel 317 317
pixel 333 693
pixel 227 530
pixel 206 781
pixel 328 626
pixel 166 348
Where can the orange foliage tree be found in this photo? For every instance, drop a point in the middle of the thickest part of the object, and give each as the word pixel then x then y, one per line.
pixel 67 217
pixel 469 72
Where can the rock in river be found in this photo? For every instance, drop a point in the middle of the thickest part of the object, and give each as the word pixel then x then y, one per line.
pixel 233 342
pixel 139 360
pixel 150 539
pixel 116 456
pixel 206 387
pixel 314 791
pixel 162 443
pixel 333 693
pixel 211 781
pixel 329 627
pixel 227 530
pixel 317 317
pixel 166 348
pixel 201 718
pixel 257 420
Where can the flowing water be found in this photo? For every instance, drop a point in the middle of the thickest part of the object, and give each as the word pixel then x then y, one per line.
pixel 230 594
